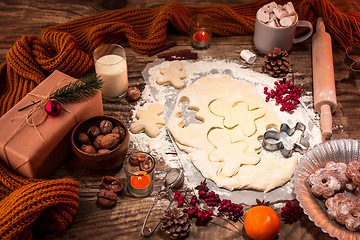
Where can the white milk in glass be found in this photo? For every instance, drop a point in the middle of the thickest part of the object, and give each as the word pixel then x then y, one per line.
pixel 113 71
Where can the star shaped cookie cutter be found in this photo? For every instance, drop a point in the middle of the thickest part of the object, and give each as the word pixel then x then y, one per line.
pixel 352 60
pixel 273 141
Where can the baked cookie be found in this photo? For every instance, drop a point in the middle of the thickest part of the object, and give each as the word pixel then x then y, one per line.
pixel 328 180
pixel 353 171
pixel 324 182
pixel 345 208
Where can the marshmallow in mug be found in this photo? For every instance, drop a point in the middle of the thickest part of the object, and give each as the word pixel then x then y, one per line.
pixel 275 15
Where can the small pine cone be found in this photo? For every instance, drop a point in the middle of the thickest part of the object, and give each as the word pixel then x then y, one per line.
pixel 276 63
pixel 175 223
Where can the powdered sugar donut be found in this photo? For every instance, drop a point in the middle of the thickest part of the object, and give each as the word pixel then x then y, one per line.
pixel 345 208
pixel 324 182
pixel 327 181
pixel 353 171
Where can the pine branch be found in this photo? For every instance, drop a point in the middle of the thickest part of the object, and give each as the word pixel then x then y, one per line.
pixel 79 90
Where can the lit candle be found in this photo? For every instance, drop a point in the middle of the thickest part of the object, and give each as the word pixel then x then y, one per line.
pixel 200 31
pixel 140 180
pixel 139 169
pixel 201 36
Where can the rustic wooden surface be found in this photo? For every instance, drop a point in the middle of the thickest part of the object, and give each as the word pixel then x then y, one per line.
pixel 20 17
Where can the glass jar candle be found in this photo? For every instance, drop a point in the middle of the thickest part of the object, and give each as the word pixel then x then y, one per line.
pixel 139 168
pixel 201 31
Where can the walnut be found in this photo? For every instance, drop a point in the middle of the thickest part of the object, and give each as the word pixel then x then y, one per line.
pixel 133 94
pixel 110 141
pixel 120 131
pixel 103 151
pixel 93 131
pixel 88 149
pixel 97 141
pixel 106 126
pixel 83 138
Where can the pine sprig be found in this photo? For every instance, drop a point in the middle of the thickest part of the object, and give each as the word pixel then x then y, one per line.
pixel 79 90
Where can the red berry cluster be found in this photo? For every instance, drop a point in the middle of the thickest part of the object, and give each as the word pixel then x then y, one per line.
pixel 232 210
pixel 202 216
pixel 226 208
pixel 285 93
pixel 179 198
pixel 210 198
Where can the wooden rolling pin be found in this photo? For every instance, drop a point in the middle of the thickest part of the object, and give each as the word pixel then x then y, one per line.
pixel 323 78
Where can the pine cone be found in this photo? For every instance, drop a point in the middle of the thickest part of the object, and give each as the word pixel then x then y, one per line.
pixel 175 223
pixel 276 63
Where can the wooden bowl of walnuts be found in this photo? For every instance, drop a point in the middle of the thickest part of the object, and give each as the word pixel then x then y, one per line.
pixel 100 142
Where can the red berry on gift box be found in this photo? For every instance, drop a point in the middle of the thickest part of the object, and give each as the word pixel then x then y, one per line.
pixel 53 108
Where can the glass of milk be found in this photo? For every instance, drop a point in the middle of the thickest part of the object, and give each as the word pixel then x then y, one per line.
pixel 110 65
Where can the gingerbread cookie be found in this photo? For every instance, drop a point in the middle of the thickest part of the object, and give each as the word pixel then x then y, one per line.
pixel 149 120
pixel 353 171
pixel 345 208
pixel 172 75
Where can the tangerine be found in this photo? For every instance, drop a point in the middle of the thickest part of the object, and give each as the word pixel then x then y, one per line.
pixel 261 223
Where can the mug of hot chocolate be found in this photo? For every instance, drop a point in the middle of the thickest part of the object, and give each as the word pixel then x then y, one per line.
pixel 275 26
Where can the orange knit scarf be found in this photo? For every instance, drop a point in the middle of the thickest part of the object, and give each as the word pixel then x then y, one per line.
pixel 68 47
pixel 53 203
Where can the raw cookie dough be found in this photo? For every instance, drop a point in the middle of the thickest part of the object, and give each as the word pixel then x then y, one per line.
pixel 225 146
pixel 149 120
pixel 172 75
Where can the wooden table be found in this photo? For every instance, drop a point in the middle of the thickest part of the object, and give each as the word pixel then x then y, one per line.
pixel 19 17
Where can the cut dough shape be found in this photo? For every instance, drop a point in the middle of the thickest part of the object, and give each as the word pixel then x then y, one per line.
pixel 149 120
pixel 172 75
pixel 232 154
pixel 209 151
pixel 238 114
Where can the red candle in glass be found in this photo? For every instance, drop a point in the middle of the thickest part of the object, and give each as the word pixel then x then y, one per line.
pixel 140 180
pixel 201 36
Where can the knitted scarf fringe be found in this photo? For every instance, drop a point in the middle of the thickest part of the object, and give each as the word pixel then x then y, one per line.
pixel 68 47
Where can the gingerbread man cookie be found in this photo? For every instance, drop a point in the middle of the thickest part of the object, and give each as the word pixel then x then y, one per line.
pixel 172 75
pixel 149 120
pixel 237 114
pixel 232 154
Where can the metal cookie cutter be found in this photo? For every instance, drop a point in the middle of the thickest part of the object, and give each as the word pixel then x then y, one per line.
pixel 352 59
pixel 272 140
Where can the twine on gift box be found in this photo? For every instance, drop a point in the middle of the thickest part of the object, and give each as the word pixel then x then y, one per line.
pixel 29 120
pixel 73 91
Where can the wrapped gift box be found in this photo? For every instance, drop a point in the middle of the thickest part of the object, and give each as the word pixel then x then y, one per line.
pixel 37 151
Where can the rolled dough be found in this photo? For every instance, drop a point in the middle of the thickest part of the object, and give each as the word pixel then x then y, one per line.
pixel 225 146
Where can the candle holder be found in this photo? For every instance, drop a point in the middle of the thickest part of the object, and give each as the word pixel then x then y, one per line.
pixel 139 169
pixel 201 31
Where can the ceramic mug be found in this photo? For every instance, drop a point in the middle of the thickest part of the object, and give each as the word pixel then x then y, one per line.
pixel 266 37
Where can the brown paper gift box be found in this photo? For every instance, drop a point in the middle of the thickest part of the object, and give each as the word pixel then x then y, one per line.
pixel 21 145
